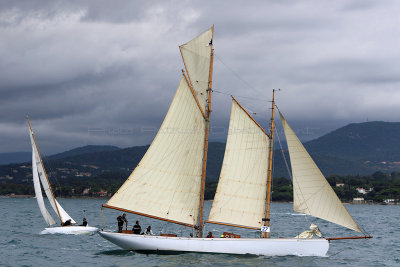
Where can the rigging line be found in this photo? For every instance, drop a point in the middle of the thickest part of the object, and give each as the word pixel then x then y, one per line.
pixel 52 176
pixel 238 96
pixel 236 74
pixel 272 180
pixel 284 157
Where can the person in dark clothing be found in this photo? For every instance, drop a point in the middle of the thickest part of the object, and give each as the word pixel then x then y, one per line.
pixel 84 223
pixel 67 223
pixel 137 228
pixel 148 231
pixel 121 220
pixel 210 235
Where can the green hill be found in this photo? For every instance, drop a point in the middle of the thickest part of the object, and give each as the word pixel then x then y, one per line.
pixel 83 150
pixel 368 141
pixel 373 144
pixel 356 149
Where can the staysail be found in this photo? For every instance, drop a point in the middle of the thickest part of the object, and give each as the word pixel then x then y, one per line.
pixel 196 56
pixel 166 183
pixel 46 185
pixel 242 189
pixel 38 191
pixel 312 194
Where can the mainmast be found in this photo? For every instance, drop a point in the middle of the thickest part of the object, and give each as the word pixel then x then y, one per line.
pixel 44 170
pixel 207 131
pixel 269 178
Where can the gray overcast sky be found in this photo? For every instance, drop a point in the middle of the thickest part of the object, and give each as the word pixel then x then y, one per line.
pixel 104 72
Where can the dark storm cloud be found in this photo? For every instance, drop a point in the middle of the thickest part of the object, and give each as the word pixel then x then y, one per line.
pixel 104 72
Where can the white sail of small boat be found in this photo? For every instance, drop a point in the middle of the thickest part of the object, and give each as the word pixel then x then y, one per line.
pixel 168 183
pixel 38 191
pixel 40 178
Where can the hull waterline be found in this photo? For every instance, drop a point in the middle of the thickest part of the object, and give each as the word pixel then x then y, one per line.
pixel 71 230
pixel 255 246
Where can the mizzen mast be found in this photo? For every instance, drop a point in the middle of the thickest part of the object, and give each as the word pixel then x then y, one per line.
pixel 269 178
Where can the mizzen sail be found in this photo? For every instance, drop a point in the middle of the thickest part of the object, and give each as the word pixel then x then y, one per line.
pixel 166 183
pixel 242 189
pixel 196 55
pixel 312 194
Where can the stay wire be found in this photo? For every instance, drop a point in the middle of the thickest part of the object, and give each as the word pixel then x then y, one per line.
pixel 237 75
pixel 50 174
pixel 284 157
pixel 238 96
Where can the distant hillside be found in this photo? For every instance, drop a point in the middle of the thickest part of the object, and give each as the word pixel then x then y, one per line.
pixel 125 160
pixel 14 157
pixel 375 144
pixel 119 162
pixel 328 165
pixel 83 150
pixel 356 149
pixel 22 157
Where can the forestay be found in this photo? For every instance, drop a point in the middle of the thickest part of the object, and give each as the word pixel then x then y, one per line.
pixel 312 194
pixel 36 183
pixel 242 189
pixel 196 56
pixel 166 183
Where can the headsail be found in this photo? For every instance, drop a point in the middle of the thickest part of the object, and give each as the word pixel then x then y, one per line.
pixel 312 194
pixel 242 189
pixel 46 185
pixel 38 191
pixel 166 183
pixel 196 56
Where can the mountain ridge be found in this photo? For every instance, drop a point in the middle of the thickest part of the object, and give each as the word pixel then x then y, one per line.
pixel 355 149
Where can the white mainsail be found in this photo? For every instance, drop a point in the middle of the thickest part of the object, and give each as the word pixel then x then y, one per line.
pixel 46 186
pixel 312 194
pixel 242 188
pixel 166 183
pixel 38 192
pixel 196 56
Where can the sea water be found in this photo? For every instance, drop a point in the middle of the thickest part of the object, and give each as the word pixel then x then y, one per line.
pixel 21 243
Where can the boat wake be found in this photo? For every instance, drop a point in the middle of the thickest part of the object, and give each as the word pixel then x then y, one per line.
pixel 72 230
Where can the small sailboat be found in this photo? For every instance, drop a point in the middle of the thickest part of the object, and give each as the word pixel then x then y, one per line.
pixel 168 183
pixel 40 177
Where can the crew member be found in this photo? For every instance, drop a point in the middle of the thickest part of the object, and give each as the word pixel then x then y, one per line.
pixel 148 231
pixel 84 223
pixel 137 228
pixel 121 220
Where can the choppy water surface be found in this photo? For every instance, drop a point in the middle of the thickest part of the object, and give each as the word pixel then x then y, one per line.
pixel 21 243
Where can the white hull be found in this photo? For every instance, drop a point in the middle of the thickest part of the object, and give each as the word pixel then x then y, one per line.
pixel 70 230
pixel 256 246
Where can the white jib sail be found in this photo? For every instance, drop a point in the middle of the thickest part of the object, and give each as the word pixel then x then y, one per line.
pixel 64 215
pixel 167 181
pixel 312 193
pixel 47 188
pixel 38 191
pixel 196 55
pixel 242 189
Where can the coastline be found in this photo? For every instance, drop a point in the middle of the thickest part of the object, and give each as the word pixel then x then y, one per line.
pixel 33 196
pixel 97 197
